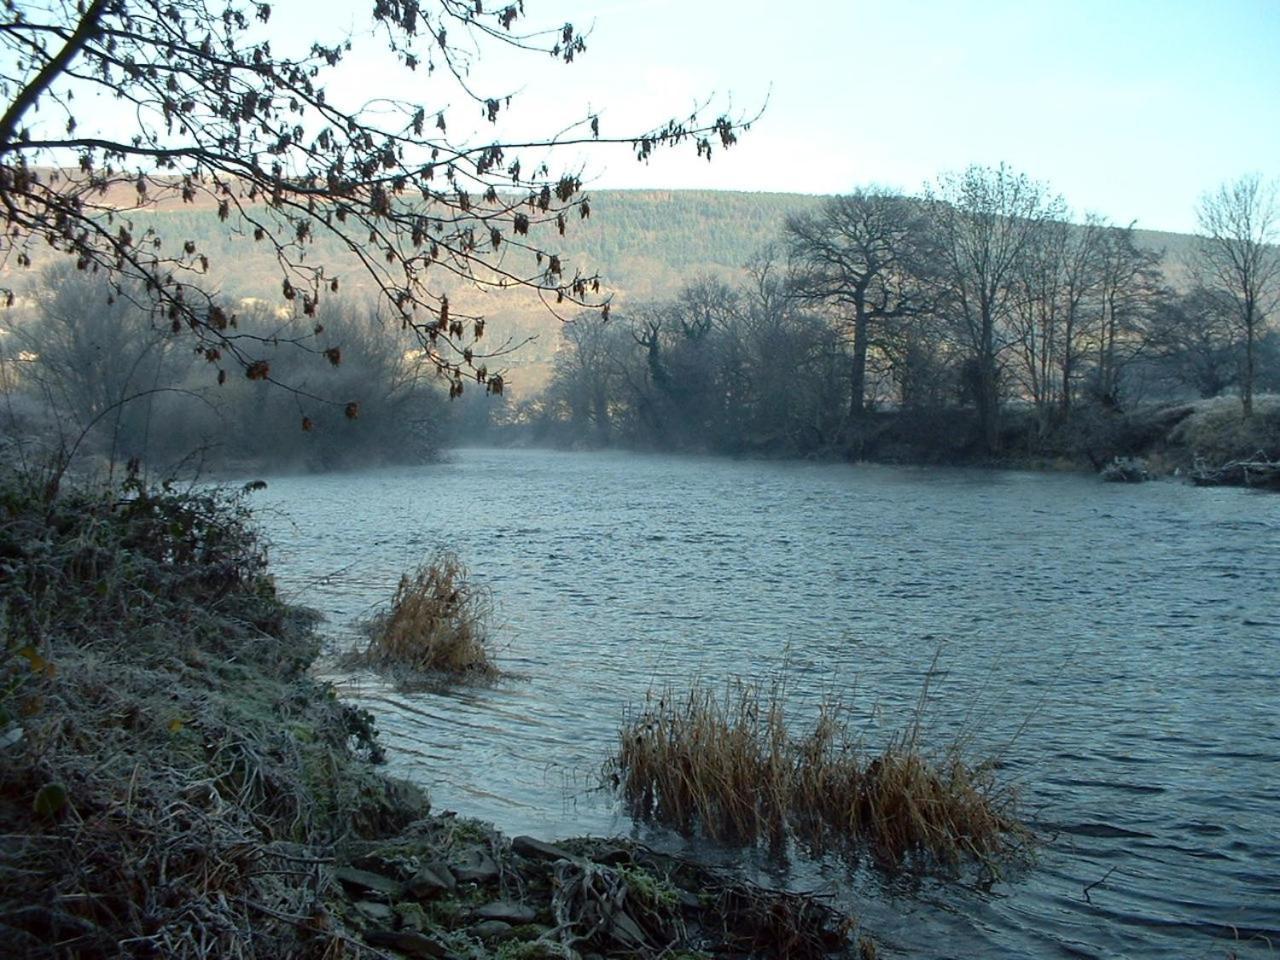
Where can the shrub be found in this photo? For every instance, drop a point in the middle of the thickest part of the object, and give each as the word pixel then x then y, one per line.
pixel 1217 432
pixel 438 622
pixel 727 766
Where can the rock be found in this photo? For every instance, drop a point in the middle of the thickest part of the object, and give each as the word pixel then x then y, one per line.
pixel 612 856
pixel 431 880
pixel 689 901
pixel 412 917
pixel 367 880
pixel 506 911
pixel 628 932
pixel 535 849
pixel 529 931
pixel 475 867
pixel 407 942
pixel 491 930
pixel 395 868
pixel 1126 470
pixel 375 911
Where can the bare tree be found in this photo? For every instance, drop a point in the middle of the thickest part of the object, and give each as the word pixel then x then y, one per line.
pixel 217 117
pixel 1037 319
pixel 587 371
pixel 857 254
pixel 1240 223
pixel 1059 276
pixel 97 367
pixel 1195 336
pixel 984 220
pixel 1130 286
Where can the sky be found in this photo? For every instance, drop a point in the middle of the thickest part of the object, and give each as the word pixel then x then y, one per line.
pixel 1129 108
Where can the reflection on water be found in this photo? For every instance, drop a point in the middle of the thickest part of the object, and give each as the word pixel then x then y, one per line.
pixel 1116 645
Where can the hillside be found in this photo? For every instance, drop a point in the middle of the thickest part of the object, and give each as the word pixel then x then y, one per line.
pixel 645 244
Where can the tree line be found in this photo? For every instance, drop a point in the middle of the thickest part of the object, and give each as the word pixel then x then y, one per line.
pixel 978 297
pixel 81 373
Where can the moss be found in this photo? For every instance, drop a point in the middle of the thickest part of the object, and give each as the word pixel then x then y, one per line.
pixel 467 832
pixel 654 892
pixel 447 912
pixel 531 950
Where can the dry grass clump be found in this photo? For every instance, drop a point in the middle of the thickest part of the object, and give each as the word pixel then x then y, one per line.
pixel 727 766
pixel 438 622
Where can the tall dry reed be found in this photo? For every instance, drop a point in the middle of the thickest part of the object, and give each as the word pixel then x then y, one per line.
pixel 726 765
pixel 438 622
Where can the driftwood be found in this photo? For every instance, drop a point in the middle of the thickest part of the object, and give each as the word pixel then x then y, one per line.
pixel 1258 472
pixel 1125 470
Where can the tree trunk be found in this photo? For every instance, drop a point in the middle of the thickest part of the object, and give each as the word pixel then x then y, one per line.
pixel 988 388
pixel 1068 367
pixel 858 370
pixel 1246 388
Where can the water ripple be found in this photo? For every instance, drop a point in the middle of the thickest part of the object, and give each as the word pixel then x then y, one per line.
pixel 1116 646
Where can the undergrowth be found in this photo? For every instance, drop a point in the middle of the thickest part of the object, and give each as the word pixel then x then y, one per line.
pixel 169 774
pixel 725 764
pixel 1216 432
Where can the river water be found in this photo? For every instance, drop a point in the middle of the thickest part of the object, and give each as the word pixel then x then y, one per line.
pixel 1117 646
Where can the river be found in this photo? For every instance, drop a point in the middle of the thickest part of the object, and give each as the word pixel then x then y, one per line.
pixel 1117 646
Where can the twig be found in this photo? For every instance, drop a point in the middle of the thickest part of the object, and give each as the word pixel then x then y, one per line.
pixel 1101 880
pixel 308 923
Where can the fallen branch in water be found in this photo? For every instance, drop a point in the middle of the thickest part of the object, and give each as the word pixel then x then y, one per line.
pixel 1097 883
pixel 1259 472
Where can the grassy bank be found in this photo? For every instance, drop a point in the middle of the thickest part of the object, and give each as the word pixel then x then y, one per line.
pixel 174 783
pixel 172 778
pixel 1169 437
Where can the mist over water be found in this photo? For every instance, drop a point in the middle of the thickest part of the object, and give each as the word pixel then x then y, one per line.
pixel 1115 645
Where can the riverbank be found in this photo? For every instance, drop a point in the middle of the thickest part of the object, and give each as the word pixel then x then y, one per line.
pixel 176 783
pixel 1171 439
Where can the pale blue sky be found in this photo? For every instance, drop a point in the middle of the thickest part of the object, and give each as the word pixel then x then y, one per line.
pixel 1130 108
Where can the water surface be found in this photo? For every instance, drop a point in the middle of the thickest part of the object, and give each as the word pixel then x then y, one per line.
pixel 1115 645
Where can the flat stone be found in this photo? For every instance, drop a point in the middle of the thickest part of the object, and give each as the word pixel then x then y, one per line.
pixel 475 867
pixel 628 931
pixel 612 856
pixel 407 942
pixel 505 910
pixel 431 880
pixel 394 868
pixel 535 849
pixel 491 930
pixel 375 911
pixel 367 880
pixel 529 931
pixel 413 917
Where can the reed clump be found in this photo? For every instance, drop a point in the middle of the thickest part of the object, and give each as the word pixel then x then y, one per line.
pixel 438 622
pixel 726 765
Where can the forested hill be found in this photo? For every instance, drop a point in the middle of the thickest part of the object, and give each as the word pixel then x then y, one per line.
pixel 650 242
pixel 645 244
